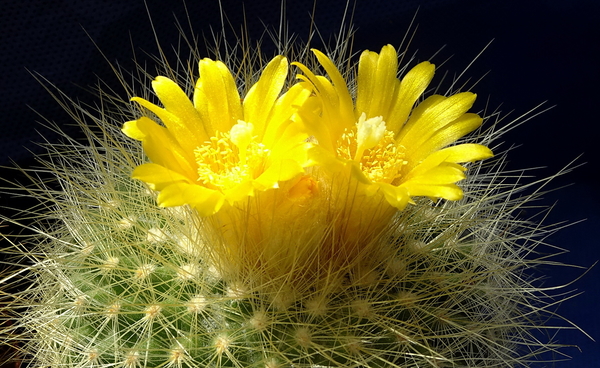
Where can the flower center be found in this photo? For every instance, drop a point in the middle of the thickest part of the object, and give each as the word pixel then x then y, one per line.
pixel 374 148
pixel 229 159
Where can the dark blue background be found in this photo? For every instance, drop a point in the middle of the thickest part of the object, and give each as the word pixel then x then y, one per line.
pixel 542 51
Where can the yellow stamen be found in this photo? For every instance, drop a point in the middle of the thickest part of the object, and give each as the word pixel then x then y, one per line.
pixel 229 159
pixel 381 162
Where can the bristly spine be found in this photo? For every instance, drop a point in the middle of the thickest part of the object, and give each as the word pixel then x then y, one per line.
pixel 116 280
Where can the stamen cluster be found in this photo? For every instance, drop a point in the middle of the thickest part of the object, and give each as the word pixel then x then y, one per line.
pixel 381 163
pixel 223 164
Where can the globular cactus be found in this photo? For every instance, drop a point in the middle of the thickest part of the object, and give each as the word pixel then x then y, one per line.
pixel 318 270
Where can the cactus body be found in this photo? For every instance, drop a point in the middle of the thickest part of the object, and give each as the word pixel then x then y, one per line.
pixel 127 283
pixel 117 281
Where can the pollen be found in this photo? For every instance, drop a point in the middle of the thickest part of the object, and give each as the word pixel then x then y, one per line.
pixel 224 164
pixel 383 162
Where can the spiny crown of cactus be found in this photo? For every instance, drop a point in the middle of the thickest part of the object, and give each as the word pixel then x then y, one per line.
pixel 319 221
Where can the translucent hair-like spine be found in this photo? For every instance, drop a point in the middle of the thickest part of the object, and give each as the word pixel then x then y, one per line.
pixel 115 280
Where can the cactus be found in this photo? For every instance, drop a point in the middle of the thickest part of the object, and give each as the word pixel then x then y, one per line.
pixel 116 280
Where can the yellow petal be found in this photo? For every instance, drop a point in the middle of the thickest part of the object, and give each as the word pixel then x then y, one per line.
pixel 346 105
pixel 314 123
pixel 357 172
pixel 450 192
pixel 216 97
pixel 337 111
pixel 282 120
pixel 377 82
pixel 410 89
pixel 239 192
pixel 290 142
pixel 260 100
pixel 468 152
pixel 445 173
pixel 317 155
pixel 396 196
pixel 443 137
pixel 157 176
pixel 278 171
pixel 206 201
pixel 166 117
pixel 188 128
pixel 461 153
pixel 187 142
pixel 367 68
pixel 131 130
pixel 436 113
pixel 160 146
pixel 297 153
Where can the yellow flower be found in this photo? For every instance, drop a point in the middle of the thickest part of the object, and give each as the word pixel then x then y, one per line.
pixel 219 148
pixel 386 142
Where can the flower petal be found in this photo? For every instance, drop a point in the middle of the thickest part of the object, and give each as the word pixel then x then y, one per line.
pixel 445 173
pixel 278 171
pixel 162 148
pixel 345 101
pixel 285 118
pixel 450 192
pixel 260 100
pixel 188 128
pixel 216 97
pixel 206 201
pixel 317 155
pixel 239 192
pixel 469 152
pixel 445 136
pixel 130 128
pixel 157 176
pixel 337 108
pixel 396 196
pixel 433 114
pixel 411 88
pixel 377 82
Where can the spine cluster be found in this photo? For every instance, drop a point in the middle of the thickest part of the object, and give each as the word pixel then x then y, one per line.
pixel 115 280
pixel 122 282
